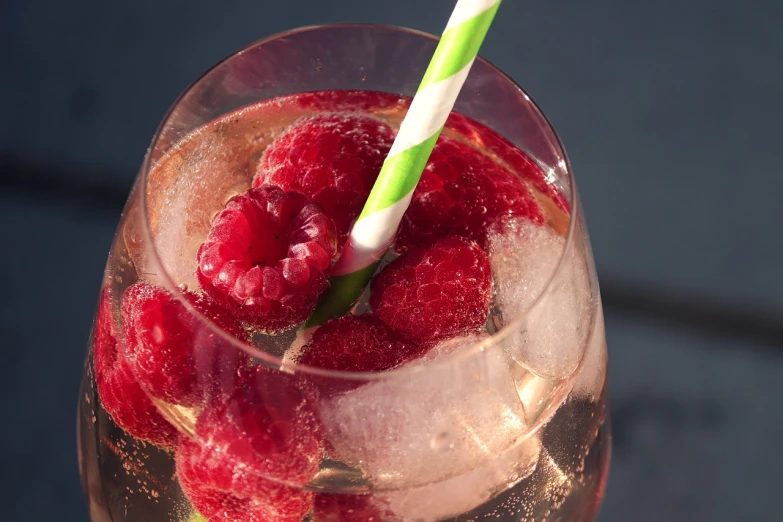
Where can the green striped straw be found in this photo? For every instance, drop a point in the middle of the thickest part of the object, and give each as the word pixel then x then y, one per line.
pixel 374 230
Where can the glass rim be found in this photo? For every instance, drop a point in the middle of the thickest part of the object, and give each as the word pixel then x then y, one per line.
pixel 276 362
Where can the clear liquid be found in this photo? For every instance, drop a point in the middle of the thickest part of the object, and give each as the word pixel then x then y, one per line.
pixel 128 479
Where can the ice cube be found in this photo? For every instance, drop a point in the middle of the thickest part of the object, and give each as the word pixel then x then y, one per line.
pixel 464 492
pixel 453 411
pixel 555 314
pixel 523 257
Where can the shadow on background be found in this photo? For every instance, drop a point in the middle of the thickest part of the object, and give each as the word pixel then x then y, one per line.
pixel 670 114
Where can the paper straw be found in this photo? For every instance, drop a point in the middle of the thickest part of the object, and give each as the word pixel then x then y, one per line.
pixel 374 230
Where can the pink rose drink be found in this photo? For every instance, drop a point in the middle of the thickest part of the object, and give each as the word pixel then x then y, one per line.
pixel 468 381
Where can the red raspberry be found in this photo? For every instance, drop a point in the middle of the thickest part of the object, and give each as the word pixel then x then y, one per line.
pixel 349 101
pixel 515 159
pixel 209 483
pixel 333 159
pixel 250 442
pixel 432 293
pixel 267 257
pixel 175 356
pixel 356 343
pixel 328 507
pixel 121 396
pixel 268 424
pixel 462 192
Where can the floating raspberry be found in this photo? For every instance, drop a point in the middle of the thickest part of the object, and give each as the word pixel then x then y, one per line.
pixel 348 101
pixel 211 483
pixel 433 293
pixel 175 356
pixel 462 192
pixel 357 343
pixel 121 396
pixel 328 507
pixel 333 159
pixel 267 257
pixel 519 162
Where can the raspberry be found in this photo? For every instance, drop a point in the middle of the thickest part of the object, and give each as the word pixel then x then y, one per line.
pixel 462 192
pixel 515 159
pixel 348 100
pixel 248 444
pixel 121 396
pixel 328 507
pixel 209 483
pixel 356 343
pixel 174 356
pixel 268 424
pixel 267 257
pixel 333 159
pixel 433 293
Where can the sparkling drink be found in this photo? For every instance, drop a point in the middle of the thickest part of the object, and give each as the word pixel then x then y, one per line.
pixel 468 382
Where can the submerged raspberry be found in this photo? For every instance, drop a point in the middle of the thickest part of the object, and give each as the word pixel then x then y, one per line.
pixel 121 395
pixel 252 449
pixel 357 343
pixel 267 257
pixel 267 425
pixel 329 507
pixel 464 193
pixel 175 356
pixel 333 159
pixel 213 485
pixel 432 293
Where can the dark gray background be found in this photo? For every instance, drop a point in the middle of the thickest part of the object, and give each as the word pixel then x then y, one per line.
pixel 670 114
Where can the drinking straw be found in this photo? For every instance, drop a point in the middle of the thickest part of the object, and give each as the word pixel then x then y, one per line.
pixel 374 230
